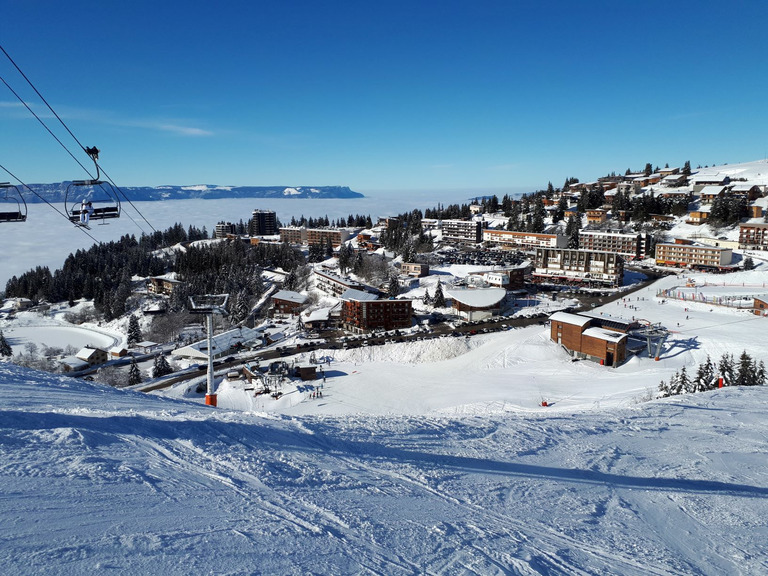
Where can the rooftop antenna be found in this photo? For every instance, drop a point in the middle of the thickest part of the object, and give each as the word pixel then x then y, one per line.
pixel 209 304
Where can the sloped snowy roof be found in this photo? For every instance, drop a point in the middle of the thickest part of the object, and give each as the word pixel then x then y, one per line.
pixel 711 190
pixel 359 295
pixel 478 297
pixel 290 296
pixel 568 318
pixel 86 353
pixel 320 315
pixel 602 334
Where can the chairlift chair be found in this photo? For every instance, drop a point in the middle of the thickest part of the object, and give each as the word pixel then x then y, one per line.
pixel 13 207
pixel 101 194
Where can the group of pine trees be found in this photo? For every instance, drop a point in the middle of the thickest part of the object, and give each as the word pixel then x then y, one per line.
pixel 352 221
pixel 404 236
pixel 437 299
pixel 745 372
pixel 101 273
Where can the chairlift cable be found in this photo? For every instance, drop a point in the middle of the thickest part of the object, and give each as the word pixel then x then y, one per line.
pixel 108 177
pixel 12 175
pixel 71 134
pixel 44 125
pixel 43 99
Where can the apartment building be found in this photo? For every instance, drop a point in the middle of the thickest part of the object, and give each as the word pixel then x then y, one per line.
pixel 753 236
pixel 578 266
pixel 687 254
pixel 523 240
pixel 263 223
pixel 462 231
pixel 362 311
pixel 632 246
pixel 293 235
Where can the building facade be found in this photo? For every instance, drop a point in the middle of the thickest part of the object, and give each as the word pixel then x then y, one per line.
pixel 686 254
pixel 630 246
pixel 293 235
pixel 570 266
pixel 524 240
pixel 414 269
pixel 581 339
pixel 263 223
pixel 462 232
pixel 362 312
pixel 334 284
pixel 753 236
pixel 324 236
pixel 288 302
pixel 223 229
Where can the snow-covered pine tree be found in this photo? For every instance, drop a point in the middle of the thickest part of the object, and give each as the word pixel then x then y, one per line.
pixel 705 377
pixel 726 369
pixel 427 299
pixel 664 390
pixel 134 374
pixel 675 387
pixel 5 348
pixel 134 330
pixel 747 370
pixel 760 374
pixel 161 366
pixel 439 299
pixel 686 384
pixel 393 286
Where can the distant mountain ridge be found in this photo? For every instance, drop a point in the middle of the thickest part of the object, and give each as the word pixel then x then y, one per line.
pixel 57 191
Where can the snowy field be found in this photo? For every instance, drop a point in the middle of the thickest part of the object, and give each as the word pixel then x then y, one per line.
pixel 97 480
pixel 429 458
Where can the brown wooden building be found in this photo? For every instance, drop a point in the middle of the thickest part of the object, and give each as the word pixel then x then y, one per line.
pixel 583 339
pixel 288 302
pixel 362 311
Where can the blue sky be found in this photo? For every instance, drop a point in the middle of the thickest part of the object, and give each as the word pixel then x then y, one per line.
pixel 383 95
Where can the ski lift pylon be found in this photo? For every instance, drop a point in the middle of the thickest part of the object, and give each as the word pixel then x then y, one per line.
pixel 13 207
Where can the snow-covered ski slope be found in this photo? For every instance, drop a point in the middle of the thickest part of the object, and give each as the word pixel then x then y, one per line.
pixel 97 480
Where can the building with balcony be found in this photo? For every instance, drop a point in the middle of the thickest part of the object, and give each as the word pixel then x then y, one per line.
pixel 362 312
pixel 523 240
pixel 568 266
pixel 462 232
pixel 632 246
pixel 263 223
pixel 686 254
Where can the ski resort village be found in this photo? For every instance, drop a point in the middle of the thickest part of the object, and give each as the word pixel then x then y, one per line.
pixel 569 381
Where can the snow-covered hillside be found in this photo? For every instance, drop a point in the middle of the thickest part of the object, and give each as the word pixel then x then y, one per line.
pixel 97 480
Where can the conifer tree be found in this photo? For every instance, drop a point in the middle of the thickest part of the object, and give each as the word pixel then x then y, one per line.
pixel 760 374
pixel 747 371
pixel 705 377
pixel 675 388
pixel 393 287
pixel 5 348
pixel 685 383
pixel 134 374
pixel 161 366
pixel 726 369
pixel 427 299
pixel 439 299
pixel 134 330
